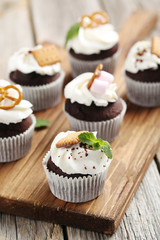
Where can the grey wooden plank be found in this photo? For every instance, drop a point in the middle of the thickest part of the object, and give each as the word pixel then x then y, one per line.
pixel 119 11
pixel 15 30
pixel 142 218
pixel 18 228
pixel 52 19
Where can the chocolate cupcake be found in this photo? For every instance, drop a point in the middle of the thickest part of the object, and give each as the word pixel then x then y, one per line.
pixel 16 123
pixel 76 166
pixel 92 104
pixel 39 72
pixel 90 42
pixel 142 73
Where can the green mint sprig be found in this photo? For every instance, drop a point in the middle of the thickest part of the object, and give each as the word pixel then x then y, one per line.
pixel 72 32
pixel 41 123
pixel 88 138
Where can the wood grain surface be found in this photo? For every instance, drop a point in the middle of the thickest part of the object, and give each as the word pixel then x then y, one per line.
pixel 24 189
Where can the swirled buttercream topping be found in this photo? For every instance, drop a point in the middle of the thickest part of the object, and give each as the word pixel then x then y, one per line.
pixel 76 159
pixel 18 112
pixel 101 92
pixel 140 58
pixel 24 61
pixel 94 40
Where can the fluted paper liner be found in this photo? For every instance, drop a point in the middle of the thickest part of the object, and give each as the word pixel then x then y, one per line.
pixel 80 189
pixel 142 93
pixel 79 66
pixel 44 96
pixel 107 130
pixel 16 147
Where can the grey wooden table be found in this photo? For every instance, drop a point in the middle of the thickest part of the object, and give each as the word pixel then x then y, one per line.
pixel 25 23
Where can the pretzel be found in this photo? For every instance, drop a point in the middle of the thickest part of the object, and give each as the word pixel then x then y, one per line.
pixel 155 47
pixel 93 20
pixel 95 75
pixel 5 94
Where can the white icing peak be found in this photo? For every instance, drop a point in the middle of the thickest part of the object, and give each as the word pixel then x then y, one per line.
pixel 25 62
pixel 77 91
pixel 17 113
pixel 75 160
pixel 140 58
pixel 93 40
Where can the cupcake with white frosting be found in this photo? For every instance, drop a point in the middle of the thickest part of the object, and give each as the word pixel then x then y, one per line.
pixel 91 41
pixel 76 166
pixel 142 73
pixel 38 71
pixel 92 104
pixel 16 123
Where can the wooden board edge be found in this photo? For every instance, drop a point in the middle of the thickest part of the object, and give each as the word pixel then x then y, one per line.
pixel 56 216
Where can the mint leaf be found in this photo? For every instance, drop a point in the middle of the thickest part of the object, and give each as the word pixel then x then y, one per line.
pixel 107 150
pixel 72 32
pixel 41 123
pixel 88 138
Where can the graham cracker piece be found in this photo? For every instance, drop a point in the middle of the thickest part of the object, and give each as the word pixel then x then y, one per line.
pixel 47 55
pixel 155 48
pixel 69 140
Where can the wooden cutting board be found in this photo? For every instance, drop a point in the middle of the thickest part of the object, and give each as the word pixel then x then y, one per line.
pixel 24 190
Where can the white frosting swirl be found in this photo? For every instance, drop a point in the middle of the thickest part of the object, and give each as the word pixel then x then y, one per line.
pixel 77 91
pixel 75 160
pixel 16 114
pixel 25 62
pixel 93 40
pixel 140 58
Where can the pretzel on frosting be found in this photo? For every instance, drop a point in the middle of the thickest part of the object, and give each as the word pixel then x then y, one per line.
pixel 95 75
pixel 94 20
pixel 5 94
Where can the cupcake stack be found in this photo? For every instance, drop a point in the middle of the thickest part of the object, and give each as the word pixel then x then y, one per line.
pixel 77 164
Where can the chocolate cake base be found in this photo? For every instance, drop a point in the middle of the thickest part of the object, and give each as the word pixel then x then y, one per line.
pixel 53 168
pixel 93 113
pixel 103 54
pixel 14 129
pixel 32 79
pixel 148 75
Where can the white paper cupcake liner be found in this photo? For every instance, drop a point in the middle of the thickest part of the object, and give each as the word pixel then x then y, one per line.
pixel 16 147
pixel 80 66
pixel 143 94
pixel 107 130
pixel 75 189
pixel 45 96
